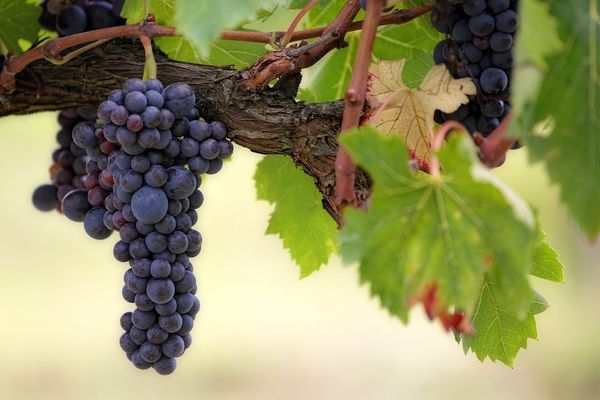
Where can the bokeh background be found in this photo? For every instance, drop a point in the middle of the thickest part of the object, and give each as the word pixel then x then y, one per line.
pixel 262 333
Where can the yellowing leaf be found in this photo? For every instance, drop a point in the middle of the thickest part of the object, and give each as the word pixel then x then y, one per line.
pixel 392 107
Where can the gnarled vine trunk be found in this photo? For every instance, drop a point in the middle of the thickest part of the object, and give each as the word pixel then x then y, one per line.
pixel 267 122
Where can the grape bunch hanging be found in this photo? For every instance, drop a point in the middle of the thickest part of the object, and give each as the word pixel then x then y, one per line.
pixel 144 156
pixel 479 45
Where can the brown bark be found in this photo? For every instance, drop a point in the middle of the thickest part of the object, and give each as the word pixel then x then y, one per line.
pixel 267 121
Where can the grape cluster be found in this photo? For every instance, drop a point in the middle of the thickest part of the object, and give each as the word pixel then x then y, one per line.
pixel 479 46
pixel 150 154
pixel 68 170
pixel 68 17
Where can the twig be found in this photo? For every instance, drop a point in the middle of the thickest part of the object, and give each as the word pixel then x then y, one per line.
pixel 76 53
pixel 397 17
pixel 52 48
pixel 288 34
pixel 281 63
pixel 354 101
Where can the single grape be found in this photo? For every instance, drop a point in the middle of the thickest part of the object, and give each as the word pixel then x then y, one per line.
pixel 127 344
pixel 218 131
pixel 167 225
pixel 102 15
pixel 179 99
pixel 125 321
pixel 180 183
pixel 156 334
pixel 190 147
pixel 149 205
pixel 165 366
pixel 143 319
pixel 152 116
pixel 160 291
pixel 75 205
pixel 170 323
pixel 461 31
pixel 150 352
pixel 501 41
pixel 93 224
pixel 199 130
pixel 72 19
pixel 482 24
pixel 473 7
pixel 167 308
pixel 493 80
pixel 45 197
pixel 186 326
pixel 160 269
pixel 507 21
pixel 174 346
pixel 140 267
pixel 187 284
pixel 185 302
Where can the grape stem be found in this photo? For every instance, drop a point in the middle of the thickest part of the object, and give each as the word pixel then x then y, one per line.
pixel 288 34
pixel 493 149
pixel 354 101
pixel 75 53
pixel 150 70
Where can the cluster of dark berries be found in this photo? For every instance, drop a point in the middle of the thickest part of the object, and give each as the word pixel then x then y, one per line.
pixel 479 46
pixel 148 150
pixel 69 167
pixel 68 17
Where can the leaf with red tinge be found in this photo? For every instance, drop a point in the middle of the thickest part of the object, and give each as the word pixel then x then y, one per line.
pixel 393 107
pixel 448 231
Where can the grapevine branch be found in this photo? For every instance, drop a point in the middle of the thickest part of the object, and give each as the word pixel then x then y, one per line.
pixel 51 50
pixel 267 121
pixel 291 60
pixel 354 101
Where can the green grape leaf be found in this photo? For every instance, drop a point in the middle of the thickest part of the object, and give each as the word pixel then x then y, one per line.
pixel 163 10
pixel 334 72
pixel 531 55
pixel 18 21
pixel 540 24
pixel 222 52
pixel 545 263
pixel 323 13
pixel 570 146
pixel 299 219
pixel 500 333
pixel 448 230
pixel 299 4
pixel 539 304
pixel 201 21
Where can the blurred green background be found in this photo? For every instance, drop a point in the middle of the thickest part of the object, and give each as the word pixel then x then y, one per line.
pixel 262 333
